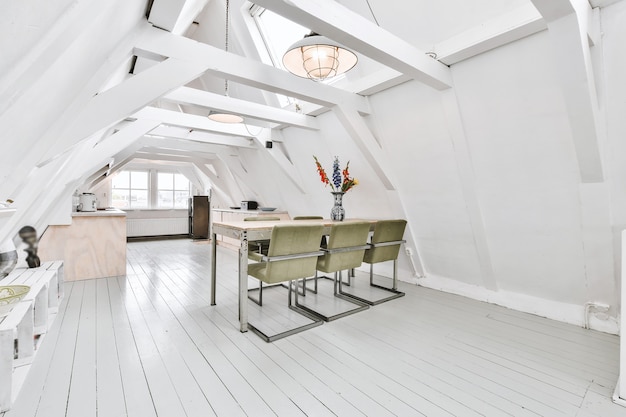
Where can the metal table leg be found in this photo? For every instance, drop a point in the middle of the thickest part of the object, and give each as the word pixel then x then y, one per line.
pixel 213 264
pixel 243 283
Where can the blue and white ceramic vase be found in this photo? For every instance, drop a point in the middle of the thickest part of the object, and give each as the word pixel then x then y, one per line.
pixel 338 213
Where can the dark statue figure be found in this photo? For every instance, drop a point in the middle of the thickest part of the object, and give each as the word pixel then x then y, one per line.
pixel 29 236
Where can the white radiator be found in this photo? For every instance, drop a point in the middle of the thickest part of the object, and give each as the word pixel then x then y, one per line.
pixel 157 227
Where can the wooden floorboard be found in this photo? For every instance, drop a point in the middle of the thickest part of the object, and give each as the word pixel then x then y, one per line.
pixel 149 345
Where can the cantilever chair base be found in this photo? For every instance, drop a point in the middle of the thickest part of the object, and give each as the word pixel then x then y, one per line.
pixel 316 321
pixel 357 305
pixel 394 290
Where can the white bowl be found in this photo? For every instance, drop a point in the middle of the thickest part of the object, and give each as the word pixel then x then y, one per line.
pixel 11 295
pixel 267 208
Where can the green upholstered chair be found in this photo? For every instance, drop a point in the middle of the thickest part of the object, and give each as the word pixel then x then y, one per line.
pixel 259 246
pixel 384 246
pixel 346 247
pixel 292 254
pixel 322 243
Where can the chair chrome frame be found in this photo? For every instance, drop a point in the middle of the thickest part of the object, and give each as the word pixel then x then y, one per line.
pixel 337 289
pixel 393 289
pixel 316 321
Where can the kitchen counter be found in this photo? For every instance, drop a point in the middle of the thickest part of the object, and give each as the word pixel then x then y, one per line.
pixel 99 213
pixel 93 246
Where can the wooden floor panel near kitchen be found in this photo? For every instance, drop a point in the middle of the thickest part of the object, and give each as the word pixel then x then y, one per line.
pixel 149 344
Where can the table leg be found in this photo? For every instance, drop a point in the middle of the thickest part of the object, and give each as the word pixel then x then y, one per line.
pixel 243 283
pixel 213 266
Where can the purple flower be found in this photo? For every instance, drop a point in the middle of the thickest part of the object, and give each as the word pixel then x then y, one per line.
pixel 336 174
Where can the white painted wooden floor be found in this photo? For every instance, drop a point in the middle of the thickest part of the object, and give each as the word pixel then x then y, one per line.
pixel 148 344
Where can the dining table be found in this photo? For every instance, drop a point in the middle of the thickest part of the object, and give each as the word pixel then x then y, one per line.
pixel 246 232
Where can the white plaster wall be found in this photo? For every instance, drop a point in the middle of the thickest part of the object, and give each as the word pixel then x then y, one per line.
pixel 614 39
pixel 525 168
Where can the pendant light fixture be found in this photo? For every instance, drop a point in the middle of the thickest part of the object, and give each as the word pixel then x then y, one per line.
pixel 318 58
pixel 218 116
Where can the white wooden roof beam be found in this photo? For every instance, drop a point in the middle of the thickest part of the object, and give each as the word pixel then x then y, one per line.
pixel 192 121
pixel 568 22
pixel 367 144
pixel 244 108
pixel 331 19
pixel 199 136
pixel 175 15
pixel 509 27
pixel 244 70
pixel 117 103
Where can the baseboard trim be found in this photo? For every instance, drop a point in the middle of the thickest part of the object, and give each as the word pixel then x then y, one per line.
pixel 555 310
pixel 157 237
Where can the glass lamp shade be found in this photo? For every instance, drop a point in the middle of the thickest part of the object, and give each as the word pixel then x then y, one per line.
pixel 317 57
pixel 225 117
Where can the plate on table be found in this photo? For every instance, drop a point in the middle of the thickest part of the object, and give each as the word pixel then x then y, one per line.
pixel 267 208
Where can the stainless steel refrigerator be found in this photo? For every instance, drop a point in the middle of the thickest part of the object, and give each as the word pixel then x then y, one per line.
pixel 199 216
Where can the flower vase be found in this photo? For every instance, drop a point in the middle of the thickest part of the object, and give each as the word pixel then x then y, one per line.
pixel 338 213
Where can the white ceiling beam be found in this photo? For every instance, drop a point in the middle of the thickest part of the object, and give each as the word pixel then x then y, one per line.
pixel 192 121
pixel 367 144
pixel 377 81
pixel 568 27
pixel 244 108
pixel 178 152
pixel 117 103
pixel 170 158
pixel 244 70
pixel 175 15
pixel 331 19
pixel 200 136
pixel 518 23
pixel 222 186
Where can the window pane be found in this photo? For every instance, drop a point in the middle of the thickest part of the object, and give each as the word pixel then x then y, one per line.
pixel 181 182
pixel 280 34
pixel 121 180
pixel 165 181
pixel 139 198
pixel 180 199
pixel 165 199
pixel 139 180
pixel 119 198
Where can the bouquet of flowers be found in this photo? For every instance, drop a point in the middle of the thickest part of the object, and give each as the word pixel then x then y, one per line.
pixel 341 180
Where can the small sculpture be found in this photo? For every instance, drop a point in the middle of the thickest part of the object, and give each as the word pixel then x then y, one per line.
pixel 29 236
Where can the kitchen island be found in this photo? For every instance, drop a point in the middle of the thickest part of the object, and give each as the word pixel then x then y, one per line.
pixel 93 246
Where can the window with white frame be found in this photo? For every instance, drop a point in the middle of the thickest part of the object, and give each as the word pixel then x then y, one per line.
pixel 150 189
pixel 129 190
pixel 173 190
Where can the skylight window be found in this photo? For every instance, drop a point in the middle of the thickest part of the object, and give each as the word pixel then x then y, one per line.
pixel 278 34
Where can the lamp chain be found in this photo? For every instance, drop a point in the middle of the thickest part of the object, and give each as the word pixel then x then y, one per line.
pixel 226 44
